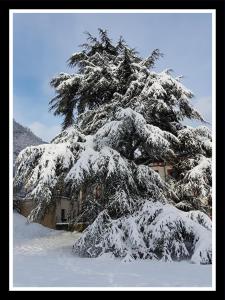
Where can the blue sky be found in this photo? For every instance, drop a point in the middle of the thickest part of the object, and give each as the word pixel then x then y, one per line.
pixel 42 43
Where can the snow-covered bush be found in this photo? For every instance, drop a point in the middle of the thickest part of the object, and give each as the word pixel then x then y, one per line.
pixel 153 231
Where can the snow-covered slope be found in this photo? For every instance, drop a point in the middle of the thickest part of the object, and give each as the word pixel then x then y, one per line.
pixel 23 231
pixel 43 258
pixel 22 138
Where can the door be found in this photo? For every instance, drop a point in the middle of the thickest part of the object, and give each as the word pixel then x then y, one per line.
pixel 63 215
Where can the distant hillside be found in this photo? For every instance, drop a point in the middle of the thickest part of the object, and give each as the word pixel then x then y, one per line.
pixel 22 138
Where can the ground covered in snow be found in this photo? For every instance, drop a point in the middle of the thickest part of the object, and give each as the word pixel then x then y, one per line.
pixel 43 258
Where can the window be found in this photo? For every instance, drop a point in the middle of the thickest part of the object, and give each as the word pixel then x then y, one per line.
pixel 171 173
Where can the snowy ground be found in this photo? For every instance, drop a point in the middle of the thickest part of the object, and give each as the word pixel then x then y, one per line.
pixel 42 258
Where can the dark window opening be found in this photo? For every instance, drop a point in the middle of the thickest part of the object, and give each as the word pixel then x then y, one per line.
pixel 171 173
pixel 97 191
pixel 63 215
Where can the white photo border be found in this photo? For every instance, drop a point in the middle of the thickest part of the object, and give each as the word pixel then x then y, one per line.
pixel 93 11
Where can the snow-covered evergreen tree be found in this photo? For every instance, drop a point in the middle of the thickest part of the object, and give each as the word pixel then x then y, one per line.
pixel 194 170
pixel 126 117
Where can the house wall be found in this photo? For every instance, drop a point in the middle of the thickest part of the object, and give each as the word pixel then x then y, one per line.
pixel 49 219
pixel 162 170
pixel 53 214
pixel 63 203
pixel 26 206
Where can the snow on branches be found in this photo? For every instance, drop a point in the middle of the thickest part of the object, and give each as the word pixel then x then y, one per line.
pixel 127 116
pixel 108 73
pixel 39 169
pixel 194 169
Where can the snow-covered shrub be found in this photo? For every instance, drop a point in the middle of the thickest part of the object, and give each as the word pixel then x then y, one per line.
pixel 153 231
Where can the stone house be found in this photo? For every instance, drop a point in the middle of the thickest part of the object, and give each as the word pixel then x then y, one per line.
pixel 57 217
pixel 165 170
pixel 67 209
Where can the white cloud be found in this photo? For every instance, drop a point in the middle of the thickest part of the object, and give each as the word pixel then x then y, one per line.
pixel 46 133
